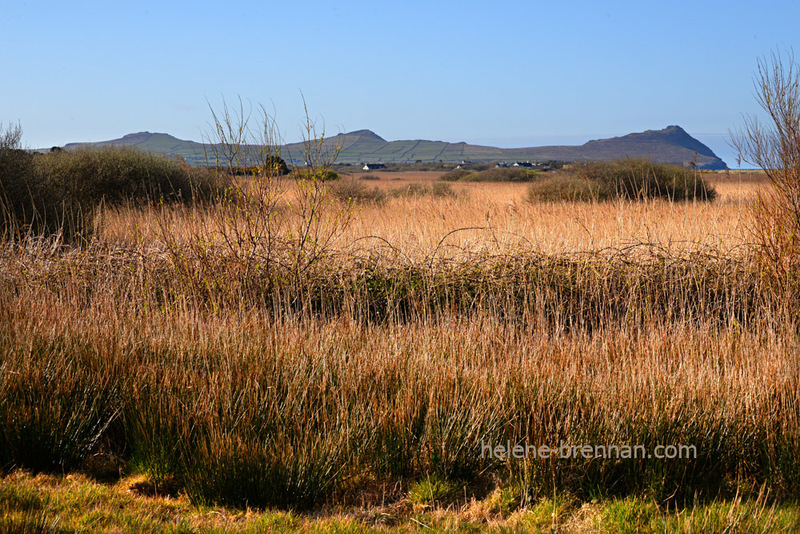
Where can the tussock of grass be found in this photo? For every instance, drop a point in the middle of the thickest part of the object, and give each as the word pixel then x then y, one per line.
pixel 55 409
pixel 62 191
pixel 324 175
pixel 438 189
pixel 355 191
pixel 494 174
pixel 628 179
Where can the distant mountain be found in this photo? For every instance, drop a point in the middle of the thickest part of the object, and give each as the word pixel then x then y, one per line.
pixel 670 145
pixel 159 143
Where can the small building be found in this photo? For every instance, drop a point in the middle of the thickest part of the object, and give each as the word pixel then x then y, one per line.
pixel 373 166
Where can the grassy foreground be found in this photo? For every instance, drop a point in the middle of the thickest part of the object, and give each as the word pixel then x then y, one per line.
pixel 47 503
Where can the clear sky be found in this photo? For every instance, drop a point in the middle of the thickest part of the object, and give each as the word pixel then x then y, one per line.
pixel 504 73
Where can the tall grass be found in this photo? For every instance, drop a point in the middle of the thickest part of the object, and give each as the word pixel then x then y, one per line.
pixel 57 405
pixel 285 391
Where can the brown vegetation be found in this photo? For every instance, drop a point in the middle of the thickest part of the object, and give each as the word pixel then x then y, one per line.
pixel 177 343
pixel 286 345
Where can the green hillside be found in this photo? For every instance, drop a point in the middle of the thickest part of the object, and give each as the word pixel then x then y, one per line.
pixel 160 143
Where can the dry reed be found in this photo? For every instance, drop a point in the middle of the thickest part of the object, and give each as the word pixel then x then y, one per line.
pixel 404 348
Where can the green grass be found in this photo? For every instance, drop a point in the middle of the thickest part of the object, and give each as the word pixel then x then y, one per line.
pixel 78 504
pixel 734 515
pixel 431 490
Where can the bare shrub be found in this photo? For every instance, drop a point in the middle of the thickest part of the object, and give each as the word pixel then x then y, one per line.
pixel 265 226
pixel 564 187
pixel 455 175
pixel 775 148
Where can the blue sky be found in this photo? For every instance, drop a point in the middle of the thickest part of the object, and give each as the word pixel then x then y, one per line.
pixel 500 73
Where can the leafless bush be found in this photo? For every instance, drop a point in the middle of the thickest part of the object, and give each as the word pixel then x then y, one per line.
pixel 265 226
pixel 10 137
pixel 775 147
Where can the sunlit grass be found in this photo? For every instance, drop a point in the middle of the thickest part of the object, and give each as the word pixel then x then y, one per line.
pixel 493 217
pixel 359 391
pixel 46 503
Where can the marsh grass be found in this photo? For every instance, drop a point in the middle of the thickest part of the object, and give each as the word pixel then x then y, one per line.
pixel 283 366
pixel 252 399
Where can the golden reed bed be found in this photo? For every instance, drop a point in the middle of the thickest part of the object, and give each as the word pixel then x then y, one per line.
pixel 496 218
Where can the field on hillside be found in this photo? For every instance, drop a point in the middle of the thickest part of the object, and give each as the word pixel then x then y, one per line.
pixel 293 361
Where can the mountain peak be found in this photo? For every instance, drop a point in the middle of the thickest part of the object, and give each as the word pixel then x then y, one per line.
pixel 671 136
pixel 365 135
pixel 137 137
pixel 678 136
